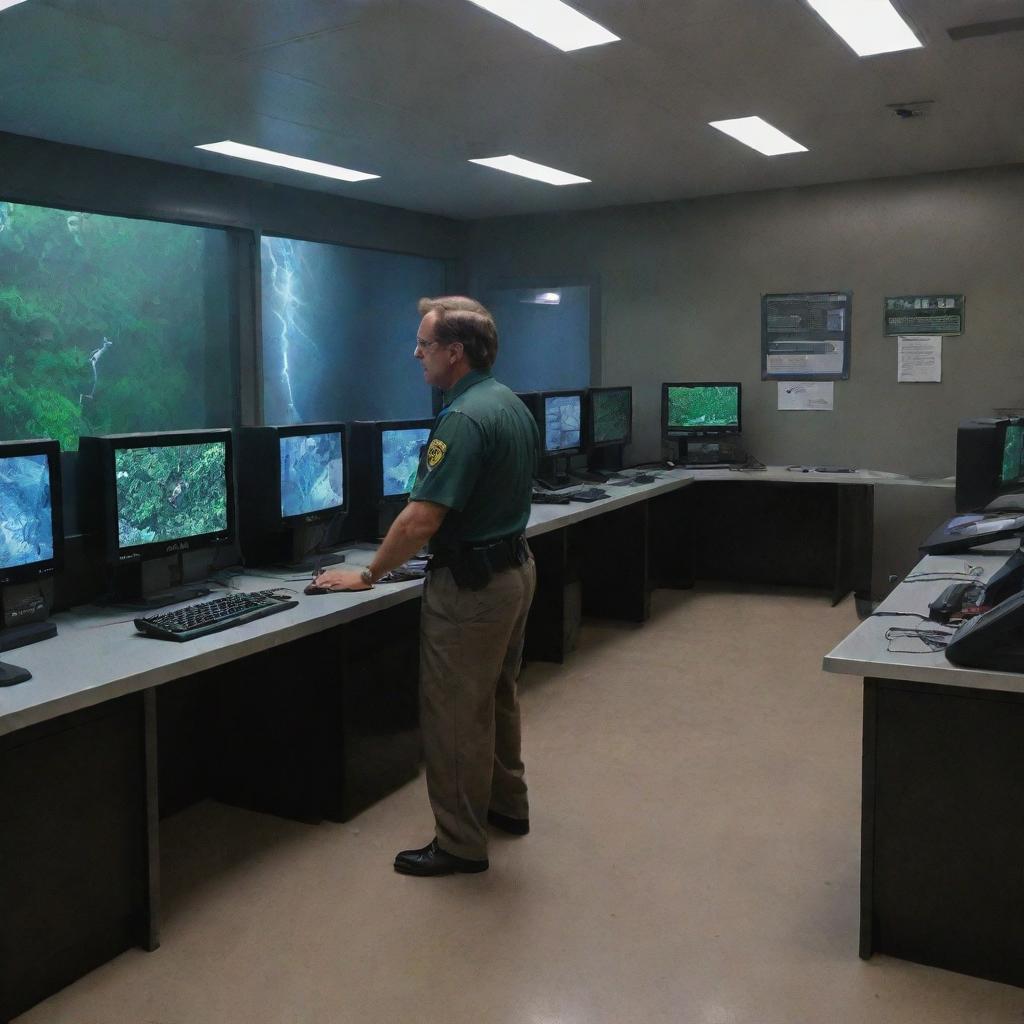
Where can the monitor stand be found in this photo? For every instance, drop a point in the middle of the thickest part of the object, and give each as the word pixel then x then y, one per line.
pixel 131 586
pixel 307 549
pixel 603 464
pixel 11 675
pixel 22 633
pixel 554 473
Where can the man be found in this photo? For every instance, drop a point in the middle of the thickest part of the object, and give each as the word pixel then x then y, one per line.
pixel 471 502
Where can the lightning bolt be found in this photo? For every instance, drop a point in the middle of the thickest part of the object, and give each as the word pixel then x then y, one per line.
pixel 284 306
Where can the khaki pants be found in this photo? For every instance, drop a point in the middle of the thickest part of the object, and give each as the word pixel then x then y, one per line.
pixel 471 650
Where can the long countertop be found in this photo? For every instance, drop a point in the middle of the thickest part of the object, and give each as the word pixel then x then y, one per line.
pixel 865 651
pixel 98 654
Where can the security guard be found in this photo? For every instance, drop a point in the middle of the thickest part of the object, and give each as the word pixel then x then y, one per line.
pixel 471 502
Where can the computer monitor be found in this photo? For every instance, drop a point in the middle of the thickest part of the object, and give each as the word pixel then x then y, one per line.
pixel 609 416
pixel 31 536
pixel 293 487
pixel 385 463
pixel 559 416
pixel 699 411
pixel 161 494
pixel 989 466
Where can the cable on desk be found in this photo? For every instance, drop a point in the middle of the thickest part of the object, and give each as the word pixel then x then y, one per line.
pixel 957 578
pixel 934 639
pixel 915 615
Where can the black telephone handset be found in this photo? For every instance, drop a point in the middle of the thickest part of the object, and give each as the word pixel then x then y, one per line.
pixel 994 639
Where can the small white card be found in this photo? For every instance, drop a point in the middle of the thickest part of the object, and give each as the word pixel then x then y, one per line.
pixel 806 395
pixel 919 359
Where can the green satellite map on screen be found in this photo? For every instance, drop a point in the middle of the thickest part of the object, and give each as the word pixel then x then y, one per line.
pixel 1013 450
pixel 698 407
pixel 170 492
pixel 611 415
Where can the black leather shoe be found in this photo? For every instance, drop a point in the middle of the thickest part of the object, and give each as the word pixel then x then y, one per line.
pixel 513 826
pixel 432 860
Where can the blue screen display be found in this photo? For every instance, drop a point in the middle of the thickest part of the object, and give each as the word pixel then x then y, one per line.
pixel 561 423
pixel 26 517
pixel 312 477
pixel 400 458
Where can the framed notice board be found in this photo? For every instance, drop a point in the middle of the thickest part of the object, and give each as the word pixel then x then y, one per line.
pixel 924 314
pixel 806 336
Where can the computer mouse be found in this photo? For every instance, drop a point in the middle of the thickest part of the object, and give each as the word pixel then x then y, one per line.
pixel 312 588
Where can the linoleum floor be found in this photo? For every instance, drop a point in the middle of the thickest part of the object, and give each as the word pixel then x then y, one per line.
pixel 694 857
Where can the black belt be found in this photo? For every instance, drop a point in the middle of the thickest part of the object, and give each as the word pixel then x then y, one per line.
pixel 473 563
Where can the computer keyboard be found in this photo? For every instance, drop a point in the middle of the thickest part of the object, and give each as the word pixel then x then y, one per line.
pixel 203 617
pixel 549 498
pixel 588 494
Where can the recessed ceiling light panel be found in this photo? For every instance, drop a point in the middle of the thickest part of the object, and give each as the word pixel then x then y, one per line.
pixel 868 26
pixel 528 169
pixel 4 4
pixel 294 163
pixel 551 20
pixel 760 135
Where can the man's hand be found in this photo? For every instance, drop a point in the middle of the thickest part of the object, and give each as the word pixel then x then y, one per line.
pixel 340 579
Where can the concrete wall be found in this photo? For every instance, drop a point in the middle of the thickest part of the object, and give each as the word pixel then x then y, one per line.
pixel 680 299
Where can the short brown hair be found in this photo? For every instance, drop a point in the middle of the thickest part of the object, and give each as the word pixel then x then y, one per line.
pixel 458 318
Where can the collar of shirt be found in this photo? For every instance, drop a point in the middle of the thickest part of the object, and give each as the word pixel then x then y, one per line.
pixel 464 384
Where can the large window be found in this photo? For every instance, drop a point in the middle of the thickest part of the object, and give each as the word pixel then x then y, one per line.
pixel 339 329
pixel 543 336
pixel 112 325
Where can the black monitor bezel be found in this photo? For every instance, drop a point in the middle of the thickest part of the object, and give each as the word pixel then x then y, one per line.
pixel 540 415
pixel 674 433
pixel 309 429
pixel 29 571
pixel 377 466
pixel 591 442
pixel 109 443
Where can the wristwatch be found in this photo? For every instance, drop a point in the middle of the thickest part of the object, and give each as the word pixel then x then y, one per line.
pixel 367 577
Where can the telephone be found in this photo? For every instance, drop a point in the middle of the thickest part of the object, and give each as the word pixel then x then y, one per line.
pixel 994 639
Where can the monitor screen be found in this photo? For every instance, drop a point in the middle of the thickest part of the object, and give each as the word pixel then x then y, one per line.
pixel 400 458
pixel 26 512
pixel 611 415
pixel 562 417
pixel 170 492
pixel 312 473
pixel 1013 448
pixel 695 408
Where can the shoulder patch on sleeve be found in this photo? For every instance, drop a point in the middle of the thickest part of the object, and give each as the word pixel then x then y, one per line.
pixel 436 452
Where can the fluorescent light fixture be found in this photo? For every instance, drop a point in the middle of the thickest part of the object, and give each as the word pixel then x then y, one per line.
pixel 4 4
pixel 295 163
pixel 528 169
pixel 760 135
pixel 543 299
pixel 868 26
pixel 551 20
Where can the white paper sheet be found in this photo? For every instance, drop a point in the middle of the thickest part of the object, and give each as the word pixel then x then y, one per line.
pixel 919 359
pixel 806 396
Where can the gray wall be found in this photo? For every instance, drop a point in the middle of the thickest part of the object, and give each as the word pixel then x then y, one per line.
pixel 680 299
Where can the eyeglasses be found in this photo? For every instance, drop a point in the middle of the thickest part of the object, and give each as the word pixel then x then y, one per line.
pixel 422 346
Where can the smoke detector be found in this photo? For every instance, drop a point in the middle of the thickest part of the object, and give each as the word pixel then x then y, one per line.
pixel 912 108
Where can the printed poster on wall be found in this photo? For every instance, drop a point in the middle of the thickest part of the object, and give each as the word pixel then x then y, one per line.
pixel 806 335
pixel 928 315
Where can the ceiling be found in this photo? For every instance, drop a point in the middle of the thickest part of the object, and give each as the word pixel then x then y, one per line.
pixel 412 89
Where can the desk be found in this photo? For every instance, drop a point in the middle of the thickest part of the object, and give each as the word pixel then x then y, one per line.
pixel 88 746
pixel 81 763
pixel 782 527
pixel 942 833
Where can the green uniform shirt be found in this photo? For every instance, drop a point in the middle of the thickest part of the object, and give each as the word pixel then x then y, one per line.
pixel 479 462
